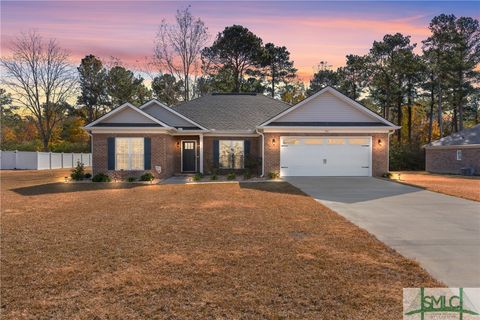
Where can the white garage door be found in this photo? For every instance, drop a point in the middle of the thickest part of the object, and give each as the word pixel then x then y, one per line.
pixel 325 156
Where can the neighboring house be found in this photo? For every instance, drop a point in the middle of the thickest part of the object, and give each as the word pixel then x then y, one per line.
pixel 327 134
pixel 454 152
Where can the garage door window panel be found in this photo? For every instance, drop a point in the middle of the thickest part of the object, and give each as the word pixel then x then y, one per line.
pixel 336 141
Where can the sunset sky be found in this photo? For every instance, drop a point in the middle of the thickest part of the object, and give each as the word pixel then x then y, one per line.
pixel 312 31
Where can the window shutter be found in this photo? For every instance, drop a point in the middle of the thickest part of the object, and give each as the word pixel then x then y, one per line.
pixel 246 148
pixel 111 153
pixel 216 151
pixel 147 153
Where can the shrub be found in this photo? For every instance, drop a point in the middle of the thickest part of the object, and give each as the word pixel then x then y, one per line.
pixel 131 179
pixel 147 176
pixel 214 177
pixel 79 172
pixel 387 175
pixel 247 174
pixel 273 175
pixel 88 175
pixel 406 157
pixel 197 177
pixel 101 177
pixel 231 176
pixel 253 164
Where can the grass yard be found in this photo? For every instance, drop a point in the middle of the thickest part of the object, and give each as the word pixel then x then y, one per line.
pixel 458 186
pixel 248 251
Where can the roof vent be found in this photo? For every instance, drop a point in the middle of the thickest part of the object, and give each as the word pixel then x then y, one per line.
pixel 234 94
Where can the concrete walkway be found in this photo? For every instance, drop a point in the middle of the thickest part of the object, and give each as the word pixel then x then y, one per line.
pixel 441 232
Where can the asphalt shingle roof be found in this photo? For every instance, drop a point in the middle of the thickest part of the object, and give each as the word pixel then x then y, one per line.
pixel 231 111
pixel 464 137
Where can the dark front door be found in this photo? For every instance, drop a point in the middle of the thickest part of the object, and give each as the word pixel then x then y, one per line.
pixel 188 156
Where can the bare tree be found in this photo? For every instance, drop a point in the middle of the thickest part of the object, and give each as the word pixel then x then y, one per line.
pixel 178 46
pixel 41 80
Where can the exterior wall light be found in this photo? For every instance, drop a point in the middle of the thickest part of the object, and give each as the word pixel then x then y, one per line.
pixel 380 142
pixel 178 144
pixel 273 141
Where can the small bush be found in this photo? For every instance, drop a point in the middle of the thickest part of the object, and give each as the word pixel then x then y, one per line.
pixel 147 176
pixel 88 175
pixel 79 172
pixel 253 164
pixel 101 177
pixel 406 157
pixel 131 179
pixel 231 176
pixel 387 175
pixel 273 175
pixel 247 174
pixel 197 177
pixel 214 177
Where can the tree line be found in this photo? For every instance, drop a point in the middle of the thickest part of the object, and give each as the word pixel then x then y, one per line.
pixel 429 91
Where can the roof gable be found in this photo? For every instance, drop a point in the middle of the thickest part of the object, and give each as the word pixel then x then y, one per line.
pixel 169 116
pixel 127 115
pixel 328 106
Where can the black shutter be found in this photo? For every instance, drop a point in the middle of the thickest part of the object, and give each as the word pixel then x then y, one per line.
pixel 216 152
pixel 246 148
pixel 147 153
pixel 111 153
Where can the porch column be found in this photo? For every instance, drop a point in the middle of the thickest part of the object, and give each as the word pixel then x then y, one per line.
pixel 201 153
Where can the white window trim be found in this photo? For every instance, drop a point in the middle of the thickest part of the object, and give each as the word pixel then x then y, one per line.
pixel 459 155
pixel 129 166
pixel 231 140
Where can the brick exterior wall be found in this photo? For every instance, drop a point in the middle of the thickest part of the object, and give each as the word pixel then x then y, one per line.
pixel 255 149
pixel 166 152
pixel 163 148
pixel 379 152
pixel 445 160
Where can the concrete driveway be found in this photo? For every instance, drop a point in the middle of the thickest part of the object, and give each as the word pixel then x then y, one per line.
pixel 441 232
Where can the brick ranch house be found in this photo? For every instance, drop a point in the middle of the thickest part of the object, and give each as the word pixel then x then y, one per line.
pixel 327 134
pixel 454 152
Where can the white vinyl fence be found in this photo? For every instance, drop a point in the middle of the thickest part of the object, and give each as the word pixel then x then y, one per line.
pixel 42 160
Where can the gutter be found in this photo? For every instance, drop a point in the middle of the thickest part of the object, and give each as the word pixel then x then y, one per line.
pixel 263 152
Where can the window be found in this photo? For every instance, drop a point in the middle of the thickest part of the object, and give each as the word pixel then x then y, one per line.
pixel 188 146
pixel 359 141
pixel 291 141
pixel 459 155
pixel 231 154
pixel 129 154
pixel 313 141
pixel 336 141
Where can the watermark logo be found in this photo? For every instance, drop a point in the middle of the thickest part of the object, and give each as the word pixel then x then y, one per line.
pixel 441 303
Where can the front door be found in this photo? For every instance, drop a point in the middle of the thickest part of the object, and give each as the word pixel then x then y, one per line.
pixel 189 156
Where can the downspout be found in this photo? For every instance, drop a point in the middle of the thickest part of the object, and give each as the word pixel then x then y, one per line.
pixel 388 149
pixel 263 151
